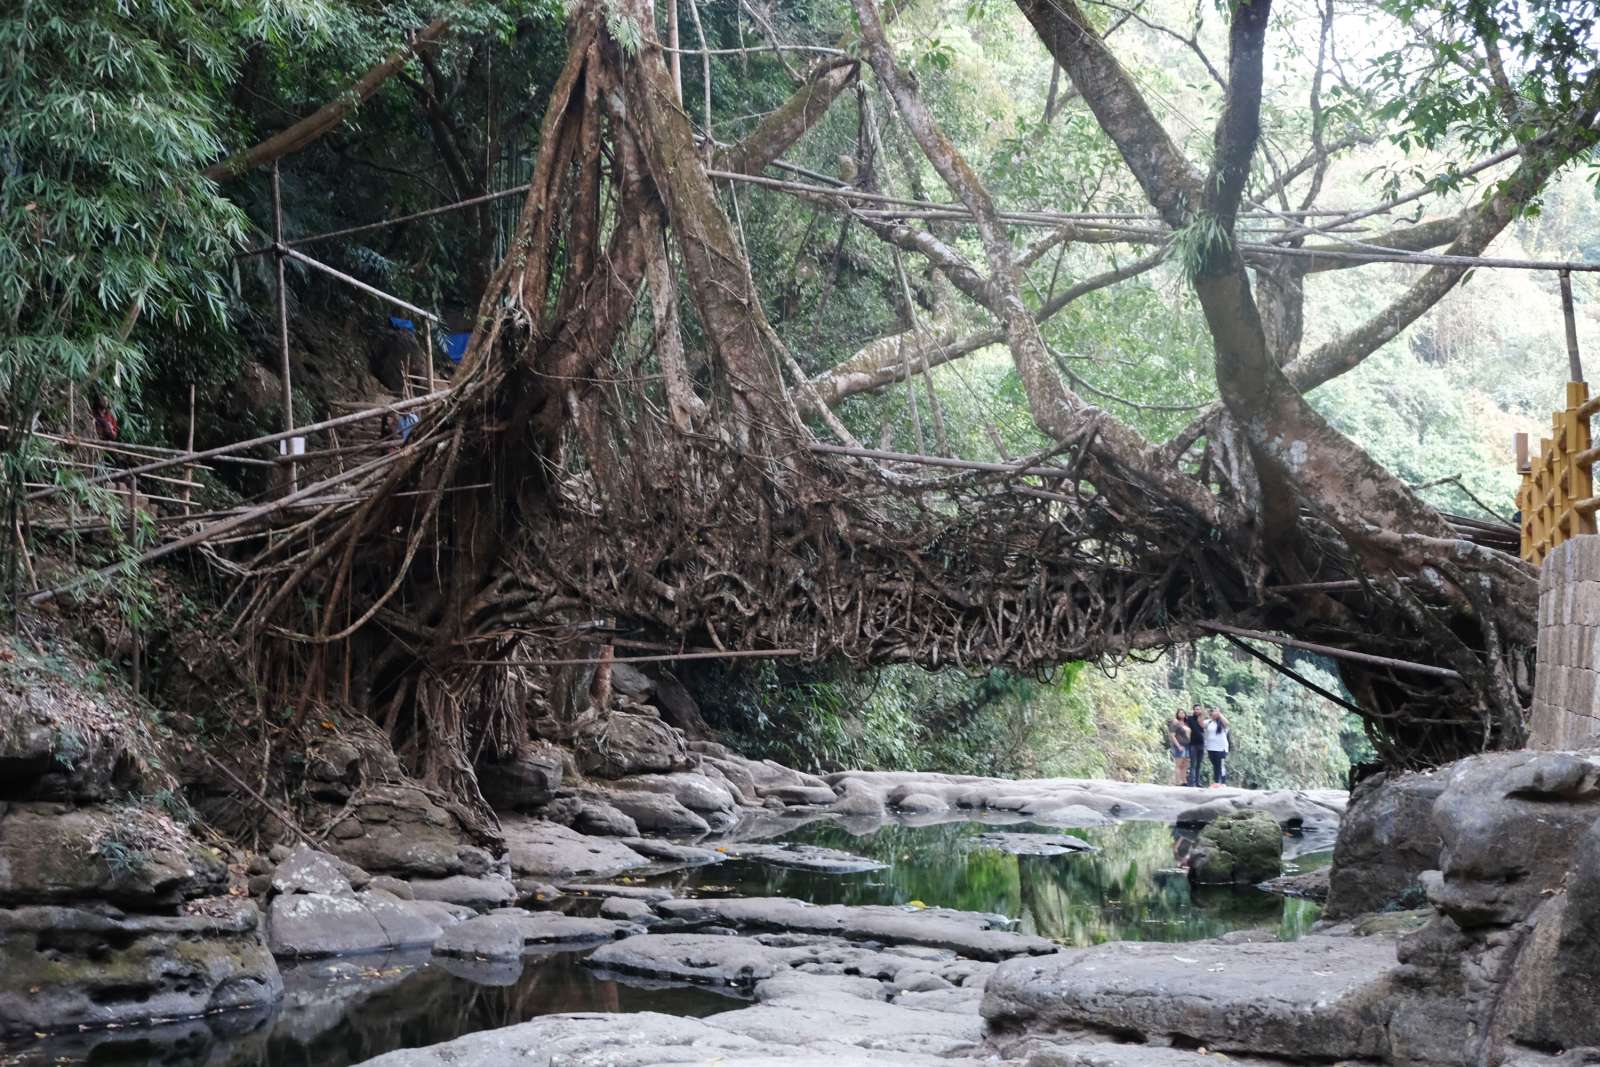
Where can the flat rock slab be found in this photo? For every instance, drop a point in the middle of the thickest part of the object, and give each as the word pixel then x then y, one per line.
pixel 673 853
pixel 508 936
pixel 479 894
pixel 708 959
pixel 1321 996
pixel 1112 1055
pixel 551 852
pixel 647 1039
pixel 648 894
pixel 1035 844
pixel 802 857
pixel 969 933
pixel 821 1008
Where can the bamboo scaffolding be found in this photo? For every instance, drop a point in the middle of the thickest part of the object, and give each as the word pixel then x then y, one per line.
pixel 210 532
pixel 180 458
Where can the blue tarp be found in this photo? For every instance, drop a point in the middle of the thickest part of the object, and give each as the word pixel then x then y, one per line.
pixel 402 324
pixel 455 345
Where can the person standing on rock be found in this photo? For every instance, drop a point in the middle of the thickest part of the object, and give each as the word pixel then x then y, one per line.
pixel 1178 748
pixel 1216 741
pixel 1196 724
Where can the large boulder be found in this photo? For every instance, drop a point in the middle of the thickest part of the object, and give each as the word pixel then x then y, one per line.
pixel 480 894
pixel 400 830
pixel 62 968
pixel 131 856
pixel 1510 823
pixel 659 813
pixel 306 870
pixel 309 925
pixel 630 742
pixel 1321 998
pixel 1554 1001
pixel 680 709
pixel 1387 840
pixel 591 815
pixel 1240 849
pixel 696 792
pixel 527 781
pixel 631 682
pixel 547 851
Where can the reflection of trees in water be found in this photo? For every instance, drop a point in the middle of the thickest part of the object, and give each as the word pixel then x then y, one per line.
pixel 1134 889
pixel 344 1022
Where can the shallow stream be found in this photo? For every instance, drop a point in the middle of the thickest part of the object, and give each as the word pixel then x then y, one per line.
pixel 343 1011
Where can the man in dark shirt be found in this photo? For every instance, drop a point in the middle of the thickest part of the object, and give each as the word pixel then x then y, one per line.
pixel 1197 745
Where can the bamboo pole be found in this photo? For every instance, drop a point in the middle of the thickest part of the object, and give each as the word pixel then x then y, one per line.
pixel 674 57
pixel 283 315
pixel 1292 674
pixel 188 470
pixel 1568 312
pixel 133 546
pixel 370 290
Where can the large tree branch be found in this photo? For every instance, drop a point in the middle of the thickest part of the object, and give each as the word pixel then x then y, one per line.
pixel 869 369
pixel 1168 179
pixel 329 115
pixel 1481 226
pixel 1055 409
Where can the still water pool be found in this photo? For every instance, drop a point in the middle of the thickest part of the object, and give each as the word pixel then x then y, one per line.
pixel 1133 889
pixel 341 1012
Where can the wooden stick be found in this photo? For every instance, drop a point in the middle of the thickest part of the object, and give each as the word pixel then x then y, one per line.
pixel 179 458
pixel 1289 672
pixel 1329 650
pixel 775 653
pixel 941 461
pixel 263 801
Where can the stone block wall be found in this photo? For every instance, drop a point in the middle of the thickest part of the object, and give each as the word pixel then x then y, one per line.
pixel 1566 692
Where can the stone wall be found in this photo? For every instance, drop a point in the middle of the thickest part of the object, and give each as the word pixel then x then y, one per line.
pixel 1566 694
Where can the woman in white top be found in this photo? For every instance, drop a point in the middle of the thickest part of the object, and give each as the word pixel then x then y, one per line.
pixel 1217 747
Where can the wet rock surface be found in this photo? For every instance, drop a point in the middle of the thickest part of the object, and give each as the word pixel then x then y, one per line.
pixel 1320 993
pixel 548 851
pixel 1035 844
pixel 1385 844
pixel 69 967
pixel 968 933
pixel 802 857
pixel 1239 848
pixel 508 936
pixel 309 925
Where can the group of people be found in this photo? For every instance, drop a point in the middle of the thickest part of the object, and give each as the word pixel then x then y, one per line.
pixel 1192 739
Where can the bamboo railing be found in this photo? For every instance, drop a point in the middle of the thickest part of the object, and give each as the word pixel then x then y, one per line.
pixel 1557 499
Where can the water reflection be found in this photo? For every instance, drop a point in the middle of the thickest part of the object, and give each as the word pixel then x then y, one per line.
pixel 1133 889
pixel 346 1011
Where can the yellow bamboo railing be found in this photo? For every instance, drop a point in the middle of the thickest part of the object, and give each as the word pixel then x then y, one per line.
pixel 1556 498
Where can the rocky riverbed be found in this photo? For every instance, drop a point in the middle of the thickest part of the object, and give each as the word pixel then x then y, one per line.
pixel 656 900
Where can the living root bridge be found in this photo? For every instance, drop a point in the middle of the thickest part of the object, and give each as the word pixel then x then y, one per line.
pixel 600 480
